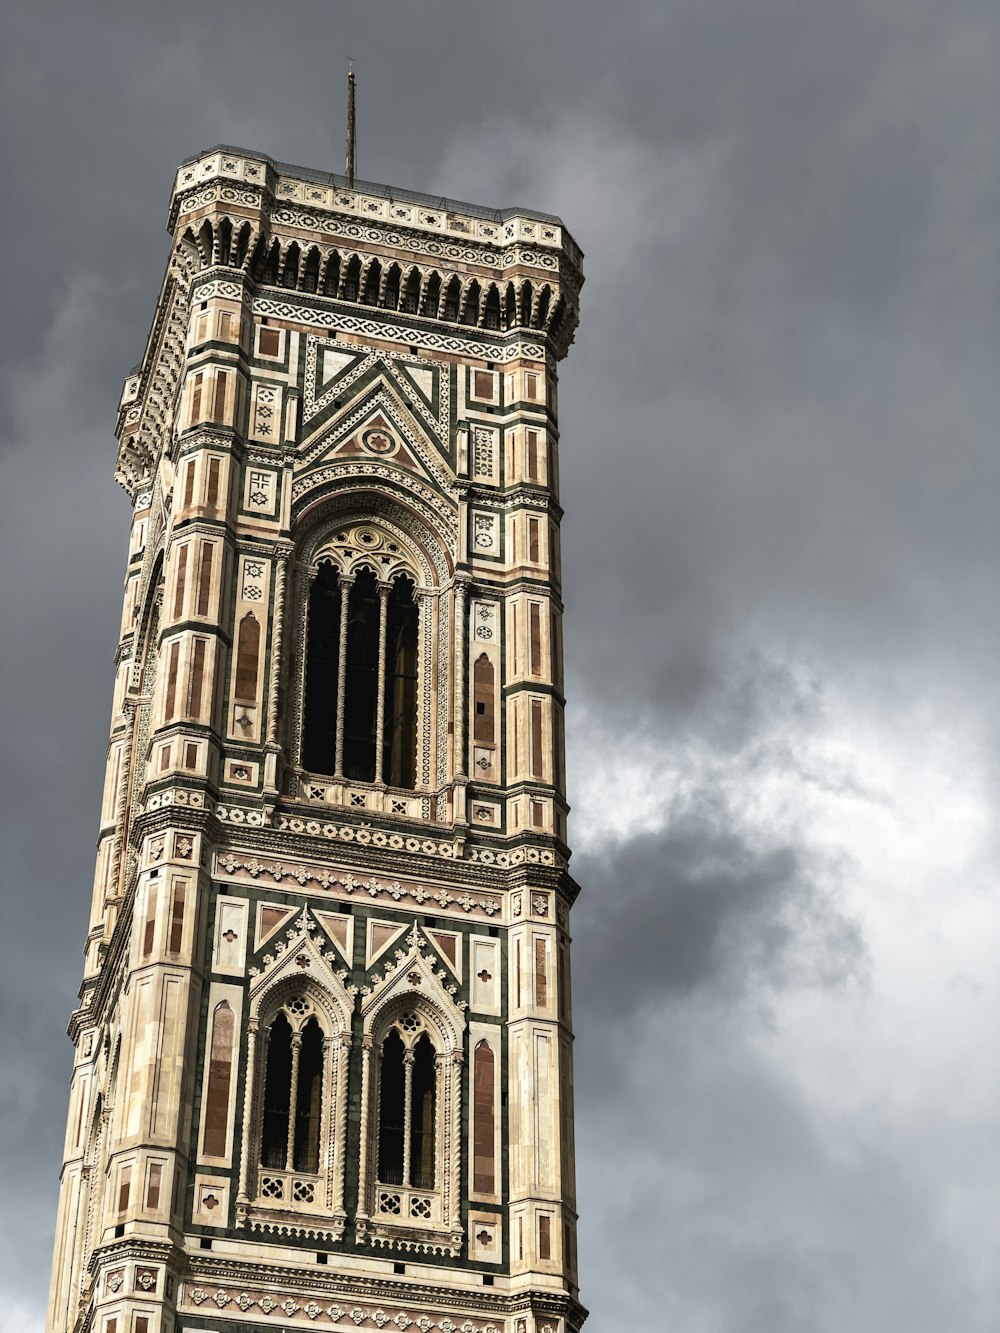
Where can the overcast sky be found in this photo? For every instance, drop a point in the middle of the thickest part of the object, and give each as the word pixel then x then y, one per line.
pixel 781 548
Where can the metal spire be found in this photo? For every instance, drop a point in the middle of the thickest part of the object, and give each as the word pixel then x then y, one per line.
pixel 352 143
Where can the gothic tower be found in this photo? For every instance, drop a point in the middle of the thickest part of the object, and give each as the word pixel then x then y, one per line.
pixel 323 1071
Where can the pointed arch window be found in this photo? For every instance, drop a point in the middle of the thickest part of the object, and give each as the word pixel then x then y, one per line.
pixel 293 1087
pixel 483 689
pixel 399 761
pixel 407 1088
pixel 361 679
pixel 247 656
pixel 296 1111
pixel 411 1108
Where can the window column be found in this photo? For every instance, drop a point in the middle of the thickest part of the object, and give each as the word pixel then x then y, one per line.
pixel 408 1058
pixel 345 592
pixel 293 1096
pixel 384 589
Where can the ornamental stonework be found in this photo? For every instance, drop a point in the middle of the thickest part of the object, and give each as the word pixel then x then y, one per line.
pixel 325 991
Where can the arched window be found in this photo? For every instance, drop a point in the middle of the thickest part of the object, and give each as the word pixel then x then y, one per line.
pixel 422 1115
pixel 361 681
pixel 352 275
pixel 543 307
pixel 308 1097
pixel 297 1055
pixel 524 305
pixel 411 293
pixel 392 1111
pixel 370 658
pixel 268 264
pixel 432 296
pixel 247 656
pixel 220 1070
pixel 206 242
pixel 484 1113
pixel 277 1095
pixel 293 1087
pixel 225 240
pixel 319 741
pixel 407 1111
pixel 391 298
pixel 399 763
pixel 242 245
pixel 451 295
pixel 491 311
pixel 483 689
pixel 331 276
pixel 372 280
pixel 471 313
pixel 310 274
pixel 290 274
pixel 509 306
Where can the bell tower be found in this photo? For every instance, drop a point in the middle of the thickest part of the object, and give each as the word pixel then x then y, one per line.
pixel 323 1052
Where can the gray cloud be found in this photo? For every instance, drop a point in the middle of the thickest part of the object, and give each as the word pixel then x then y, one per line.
pixel 779 469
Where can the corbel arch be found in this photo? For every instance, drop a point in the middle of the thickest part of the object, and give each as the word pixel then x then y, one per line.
pixel 205 241
pixel 309 272
pixel 330 273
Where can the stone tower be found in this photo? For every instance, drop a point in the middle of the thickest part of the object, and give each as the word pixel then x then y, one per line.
pixel 323 1071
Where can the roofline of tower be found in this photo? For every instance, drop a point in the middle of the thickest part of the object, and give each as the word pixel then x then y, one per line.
pixel 392 192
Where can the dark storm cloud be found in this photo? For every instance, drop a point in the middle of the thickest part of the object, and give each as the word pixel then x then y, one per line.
pixel 778 440
pixel 694 907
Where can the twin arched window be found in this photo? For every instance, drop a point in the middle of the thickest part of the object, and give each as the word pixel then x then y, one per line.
pixel 293 1091
pixel 406 1110
pixel 361 678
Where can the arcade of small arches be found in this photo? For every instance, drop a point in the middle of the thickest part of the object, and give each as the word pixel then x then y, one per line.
pixel 368 280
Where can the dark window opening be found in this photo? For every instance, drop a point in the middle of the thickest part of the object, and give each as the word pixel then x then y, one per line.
pixel 308 1094
pixel 361 682
pixel 391 1098
pixel 310 274
pixel 352 279
pixel 332 278
pixel 491 314
pixel 225 240
pixel 524 305
pixel 269 267
pixel 433 297
pixel 391 300
pixel 323 647
pixel 543 307
pixel 242 245
pixel 451 299
pixel 290 276
pixel 372 280
pixel 471 315
pixel 399 762
pixel 277 1090
pixel 411 295
pixel 422 1116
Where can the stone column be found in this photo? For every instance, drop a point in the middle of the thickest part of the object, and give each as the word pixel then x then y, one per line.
pixel 345 595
